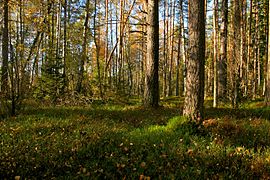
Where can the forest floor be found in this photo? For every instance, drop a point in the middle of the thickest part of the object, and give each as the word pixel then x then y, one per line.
pixel 126 141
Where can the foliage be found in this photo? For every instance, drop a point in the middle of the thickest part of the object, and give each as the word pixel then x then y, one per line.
pixel 5 109
pixel 117 140
pixel 50 84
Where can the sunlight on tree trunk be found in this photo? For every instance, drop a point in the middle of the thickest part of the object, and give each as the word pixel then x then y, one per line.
pixel 194 100
pixel 151 91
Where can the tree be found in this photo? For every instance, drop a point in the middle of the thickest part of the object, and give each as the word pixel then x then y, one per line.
pixel 151 90
pixel 267 95
pixel 194 99
pixel 5 37
pixel 215 54
pixel 236 44
pixel 84 46
pixel 180 54
pixel 170 76
pixel 222 64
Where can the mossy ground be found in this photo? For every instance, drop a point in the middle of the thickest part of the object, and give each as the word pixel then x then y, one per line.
pixel 126 141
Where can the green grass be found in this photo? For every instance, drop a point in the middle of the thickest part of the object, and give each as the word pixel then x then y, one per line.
pixel 126 141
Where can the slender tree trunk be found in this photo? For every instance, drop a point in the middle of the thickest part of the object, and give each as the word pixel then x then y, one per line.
pixel 265 32
pixel 165 50
pixel 249 57
pixel 106 73
pixel 121 43
pixel 116 50
pixel 5 40
pixel 129 64
pixel 151 91
pixel 179 64
pixel 65 46
pixel 267 94
pixel 112 67
pixel 243 75
pixel 193 106
pixel 19 64
pixel 143 60
pixel 183 49
pixel 215 54
pixel 177 85
pixel 170 89
pixel 256 58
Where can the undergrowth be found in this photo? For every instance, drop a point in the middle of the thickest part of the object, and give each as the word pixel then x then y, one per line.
pixel 126 141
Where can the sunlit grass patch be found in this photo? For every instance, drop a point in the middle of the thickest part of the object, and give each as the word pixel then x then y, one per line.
pixel 172 125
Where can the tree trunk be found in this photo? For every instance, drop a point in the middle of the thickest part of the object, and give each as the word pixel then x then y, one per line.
pixel 222 65
pixel 236 53
pixel 249 57
pixel 151 91
pixel 243 75
pixel 193 107
pixel 215 54
pixel 170 78
pixel 183 49
pixel 84 49
pixel 97 44
pixel 106 73
pixel 165 48
pixel 5 39
pixel 65 46
pixel 267 94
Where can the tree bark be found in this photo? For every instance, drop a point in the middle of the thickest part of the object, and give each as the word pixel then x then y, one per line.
pixel 84 49
pixel 222 64
pixel 183 49
pixel 243 75
pixel 65 53
pixel 193 107
pixel 249 57
pixel 236 53
pixel 5 39
pixel 165 48
pixel 267 94
pixel 151 91
pixel 97 44
pixel 215 55
pixel 170 78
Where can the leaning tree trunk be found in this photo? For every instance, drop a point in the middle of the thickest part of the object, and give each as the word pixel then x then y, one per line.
pixel 151 90
pixel 193 107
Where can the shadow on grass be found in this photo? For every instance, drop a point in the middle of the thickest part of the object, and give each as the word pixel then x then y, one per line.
pixel 243 127
pixel 241 113
pixel 135 116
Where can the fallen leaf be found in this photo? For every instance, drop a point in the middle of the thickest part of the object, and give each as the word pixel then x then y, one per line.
pixel 143 164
